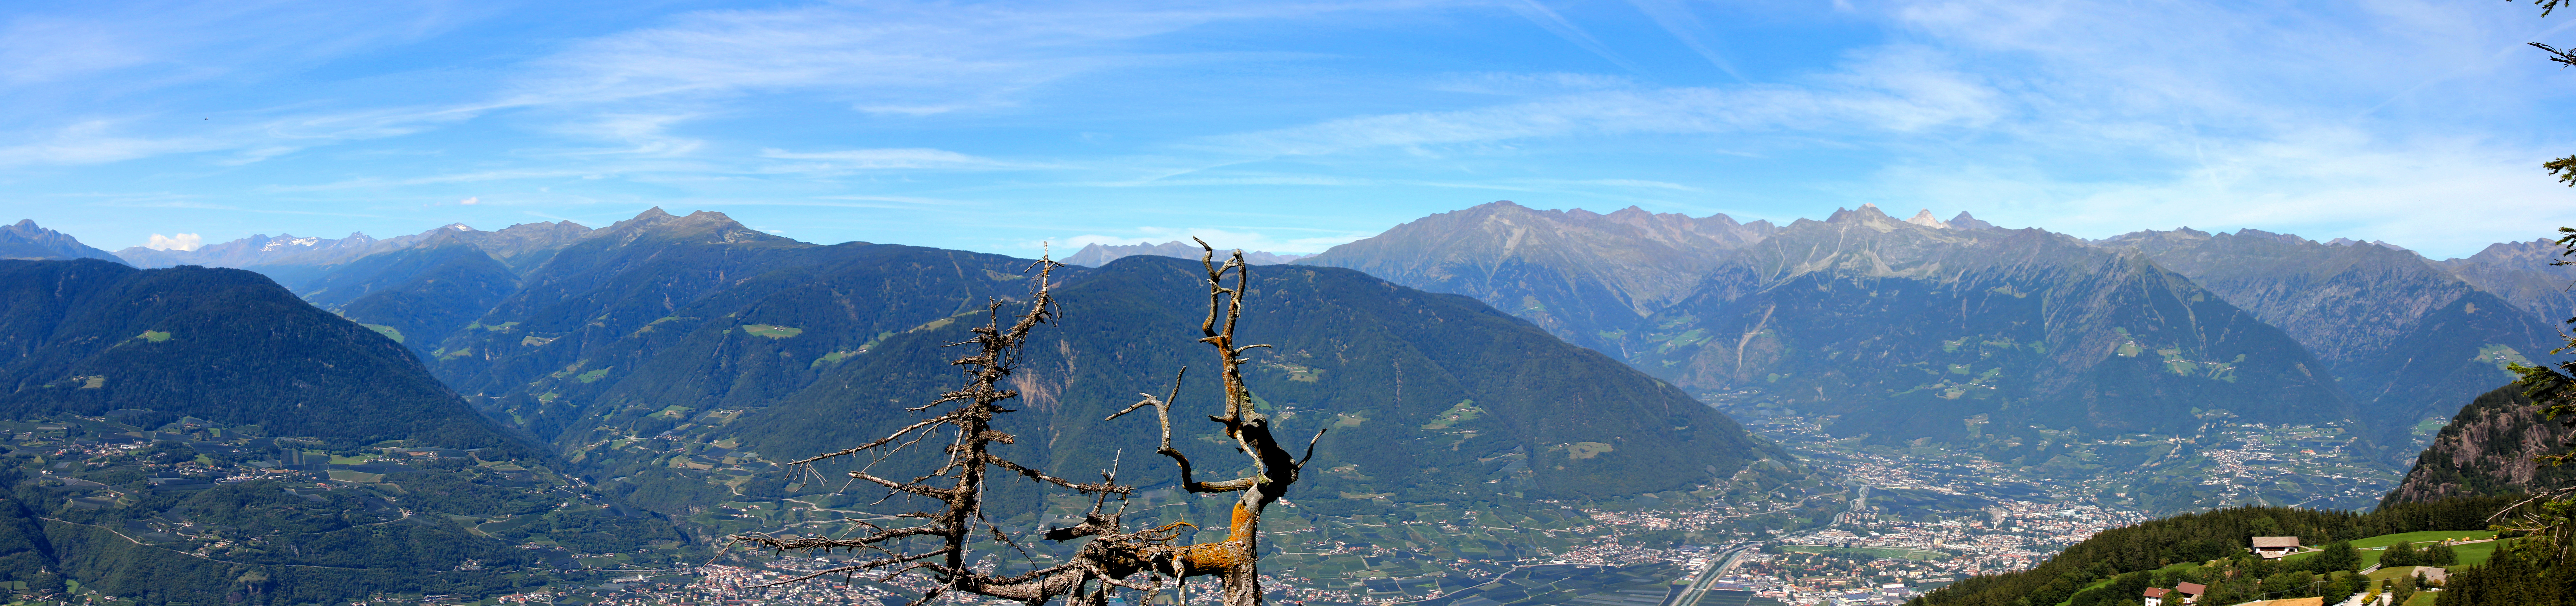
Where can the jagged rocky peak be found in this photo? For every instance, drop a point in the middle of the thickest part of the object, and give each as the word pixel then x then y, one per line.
pixel 1661 226
pixel 1966 221
pixel 2521 273
pixel 715 226
pixel 2145 237
pixel 26 240
pixel 1924 218
pixel 1867 214
pixel 2260 234
pixel 542 226
pixel 1577 273
pixel 2378 243
pixel 258 249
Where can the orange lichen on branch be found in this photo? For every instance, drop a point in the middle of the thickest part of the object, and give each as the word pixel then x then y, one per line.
pixel 1274 468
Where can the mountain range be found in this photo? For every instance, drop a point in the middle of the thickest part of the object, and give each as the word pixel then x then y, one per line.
pixel 1497 356
pixel 1906 331
pixel 2406 338
pixel 1590 278
pixel 698 330
pixel 2398 339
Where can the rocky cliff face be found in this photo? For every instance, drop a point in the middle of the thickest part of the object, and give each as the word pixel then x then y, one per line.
pixel 2488 449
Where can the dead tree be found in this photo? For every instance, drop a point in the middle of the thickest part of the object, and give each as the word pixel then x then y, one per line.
pixel 1234 559
pixel 966 425
pixel 939 545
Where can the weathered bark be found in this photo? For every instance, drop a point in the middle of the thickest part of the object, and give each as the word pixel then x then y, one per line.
pixel 1109 560
pixel 1234 560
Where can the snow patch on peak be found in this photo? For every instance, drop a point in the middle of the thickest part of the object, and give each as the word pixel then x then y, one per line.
pixel 285 241
pixel 1925 219
pixel 459 227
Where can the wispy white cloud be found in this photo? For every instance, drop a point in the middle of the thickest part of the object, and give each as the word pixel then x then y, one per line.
pixel 1548 19
pixel 632 88
pixel 2093 116
pixel 882 58
pixel 471 177
pixel 1677 19
pixel 890 158
pixel 178 242
pixel 1897 90
pixel 1533 84
pixel 95 141
pixel 146 46
pixel 2288 127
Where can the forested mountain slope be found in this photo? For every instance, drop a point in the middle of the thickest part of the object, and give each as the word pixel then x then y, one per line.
pixel 696 312
pixel 91 336
pixel 1588 278
pixel 1907 331
pixel 698 329
pixel 420 294
pixel 1430 398
pixel 2409 340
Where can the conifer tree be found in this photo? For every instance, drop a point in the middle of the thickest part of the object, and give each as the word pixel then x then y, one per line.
pixel 2400 554
pixel 2338 555
pixel 2548 519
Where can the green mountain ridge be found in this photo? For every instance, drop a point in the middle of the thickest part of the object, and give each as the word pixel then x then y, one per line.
pixel 93 336
pixel 1429 397
pixel 683 325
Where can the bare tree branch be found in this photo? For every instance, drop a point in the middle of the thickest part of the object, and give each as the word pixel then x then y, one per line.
pixel 1109 559
pixel 1113 557
pixel 1234 559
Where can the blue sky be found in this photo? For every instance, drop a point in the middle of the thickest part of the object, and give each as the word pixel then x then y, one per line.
pixel 1285 126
